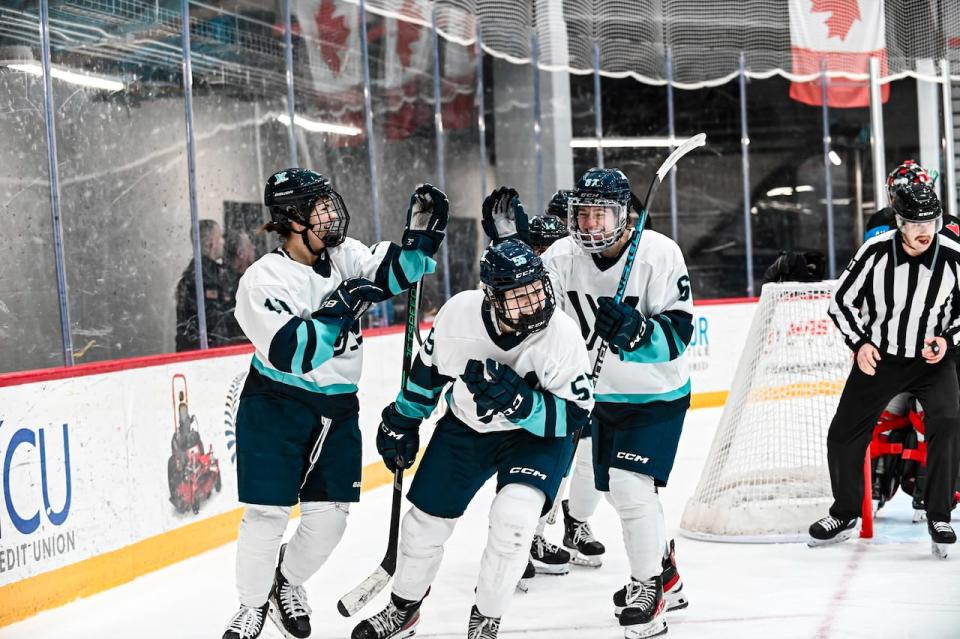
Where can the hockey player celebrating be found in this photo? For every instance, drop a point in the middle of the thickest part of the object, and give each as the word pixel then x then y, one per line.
pixel 898 309
pixel 298 438
pixel 520 389
pixel 643 390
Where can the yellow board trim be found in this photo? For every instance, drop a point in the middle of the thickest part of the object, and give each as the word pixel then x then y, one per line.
pixel 60 586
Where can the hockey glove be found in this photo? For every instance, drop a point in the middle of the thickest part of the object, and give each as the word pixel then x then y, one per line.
pixel 497 388
pixel 349 302
pixel 427 218
pixel 398 439
pixel 620 324
pixel 504 217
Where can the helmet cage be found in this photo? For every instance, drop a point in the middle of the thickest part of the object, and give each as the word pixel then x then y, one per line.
pixel 525 308
pixel 596 242
pixel 333 216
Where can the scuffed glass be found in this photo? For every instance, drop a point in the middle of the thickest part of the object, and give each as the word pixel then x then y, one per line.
pixel 30 335
pixel 123 173
pixel 240 127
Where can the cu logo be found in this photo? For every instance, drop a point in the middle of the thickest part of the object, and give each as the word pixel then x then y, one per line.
pixel 23 450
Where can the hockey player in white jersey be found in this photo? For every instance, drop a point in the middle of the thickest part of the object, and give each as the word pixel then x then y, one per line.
pixel 298 438
pixel 643 390
pixel 519 388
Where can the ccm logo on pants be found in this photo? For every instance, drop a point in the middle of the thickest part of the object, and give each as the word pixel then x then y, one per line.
pixel 632 457
pixel 527 471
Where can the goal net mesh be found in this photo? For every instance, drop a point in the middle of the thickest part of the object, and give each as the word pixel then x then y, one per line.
pixel 766 476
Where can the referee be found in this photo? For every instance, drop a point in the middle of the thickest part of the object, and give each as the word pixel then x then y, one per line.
pixel 898 307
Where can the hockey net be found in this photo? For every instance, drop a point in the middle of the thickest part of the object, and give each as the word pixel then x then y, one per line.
pixel 766 477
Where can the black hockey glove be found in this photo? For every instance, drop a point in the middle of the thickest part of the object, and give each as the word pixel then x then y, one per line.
pixel 349 302
pixel 620 324
pixel 499 389
pixel 427 218
pixel 398 439
pixel 504 217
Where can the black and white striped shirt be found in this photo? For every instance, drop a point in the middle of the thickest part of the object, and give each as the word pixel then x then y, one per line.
pixel 896 301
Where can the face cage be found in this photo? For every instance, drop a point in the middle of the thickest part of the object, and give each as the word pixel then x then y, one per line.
pixel 902 222
pixel 607 238
pixel 335 232
pixel 532 317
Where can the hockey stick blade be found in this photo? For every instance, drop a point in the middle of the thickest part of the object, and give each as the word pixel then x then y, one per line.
pixel 692 143
pixel 357 598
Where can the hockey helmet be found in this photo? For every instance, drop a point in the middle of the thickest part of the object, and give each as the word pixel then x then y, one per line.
pixel 917 203
pixel 517 286
pixel 293 194
pixel 908 172
pixel 544 230
pixel 598 209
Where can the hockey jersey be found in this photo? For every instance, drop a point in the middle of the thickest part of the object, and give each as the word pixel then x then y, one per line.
pixel 553 361
pixel 278 295
pixel 655 374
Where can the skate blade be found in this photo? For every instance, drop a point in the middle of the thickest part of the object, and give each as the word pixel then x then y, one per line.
pixel 277 620
pixel 589 561
pixel 655 628
pixel 940 551
pixel 841 536
pixel 675 601
pixel 523 586
pixel 919 516
pixel 550 569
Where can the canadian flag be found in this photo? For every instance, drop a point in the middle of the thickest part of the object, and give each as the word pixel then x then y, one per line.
pixel 845 34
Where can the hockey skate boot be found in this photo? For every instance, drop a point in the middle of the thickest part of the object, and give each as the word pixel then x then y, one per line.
pixel 584 548
pixel 398 620
pixel 528 573
pixel 942 537
pixel 247 623
pixel 831 530
pixel 547 558
pixel 482 627
pixel 288 605
pixel 642 614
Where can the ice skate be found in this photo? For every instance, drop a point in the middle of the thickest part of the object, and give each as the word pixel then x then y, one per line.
pixel 942 538
pixel 547 558
pixel 528 573
pixel 247 623
pixel 482 627
pixel 831 530
pixel 584 548
pixel 398 620
pixel 642 612
pixel 289 609
pixel 672 584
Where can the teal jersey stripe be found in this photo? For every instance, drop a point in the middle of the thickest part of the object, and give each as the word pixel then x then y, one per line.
pixel 414 265
pixel 414 410
pixel 299 382
pixel 327 335
pixel 644 398
pixel 654 351
pixel 548 418
pixel 429 394
pixel 296 363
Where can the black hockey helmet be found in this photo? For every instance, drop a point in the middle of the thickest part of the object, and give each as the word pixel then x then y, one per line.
pixel 917 202
pixel 559 203
pixel 517 286
pixel 907 172
pixel 544 230
pixel 600 190
pixel 292 195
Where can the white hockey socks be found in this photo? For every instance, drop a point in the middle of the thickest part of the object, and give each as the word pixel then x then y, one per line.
pixel 261 531
pixel 513 519
pixel 644 536
pixel 322 524
pixel 584 496
pixel 421 550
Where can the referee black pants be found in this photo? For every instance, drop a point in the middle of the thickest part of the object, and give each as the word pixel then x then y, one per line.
pixel 861 403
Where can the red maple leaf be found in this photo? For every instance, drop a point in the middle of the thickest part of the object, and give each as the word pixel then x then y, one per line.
pixel 333 31
pixel 843 14
pixel 954 228
pixel 407 32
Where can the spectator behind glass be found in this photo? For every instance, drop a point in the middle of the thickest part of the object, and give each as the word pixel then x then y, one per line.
pixel 217 296
pixel 239 253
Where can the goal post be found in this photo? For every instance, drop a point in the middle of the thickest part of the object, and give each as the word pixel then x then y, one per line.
pixel 766 478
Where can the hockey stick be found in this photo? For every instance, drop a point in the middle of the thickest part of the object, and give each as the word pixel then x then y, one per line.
pixel 370 587
pixel 696 141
